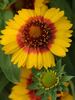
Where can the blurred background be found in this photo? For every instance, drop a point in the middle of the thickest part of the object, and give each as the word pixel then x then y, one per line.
pixel 9 73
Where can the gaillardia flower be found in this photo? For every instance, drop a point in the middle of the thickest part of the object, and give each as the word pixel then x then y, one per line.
pixel 33 37
pixel 21 92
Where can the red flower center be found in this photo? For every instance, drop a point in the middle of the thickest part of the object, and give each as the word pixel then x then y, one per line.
pixel 35 31
pixel 38 32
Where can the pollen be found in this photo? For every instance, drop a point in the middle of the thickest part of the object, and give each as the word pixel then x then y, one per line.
pixel 35 31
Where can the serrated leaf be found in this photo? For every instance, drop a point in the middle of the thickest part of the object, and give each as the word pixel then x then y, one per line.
pixel 12 72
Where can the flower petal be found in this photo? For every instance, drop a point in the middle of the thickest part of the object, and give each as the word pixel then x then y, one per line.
pixel 25 14
pixel 63 24
pixel 19 57
pixel 54 14
pixel 48 59
pixel 57 50
pixel 32 58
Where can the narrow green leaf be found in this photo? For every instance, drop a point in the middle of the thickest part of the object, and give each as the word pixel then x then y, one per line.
pixel 67 78
pixel 53 95
pixel 61 71
pixel 59 64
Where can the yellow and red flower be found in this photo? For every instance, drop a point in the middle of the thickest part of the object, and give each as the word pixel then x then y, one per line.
pixel 33 37
pixel 21 92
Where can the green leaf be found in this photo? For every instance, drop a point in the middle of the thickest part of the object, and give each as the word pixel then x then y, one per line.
pixel 2 23
pixel 67 78
pixel 34 71
pixel 33 86
pixel 3 4
pixel 59 64
pixel 40 92
pixel 61 71
pixel 7 15
pixel 60 67
pixel 44 97
pixel 53 95
pixel 12 72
